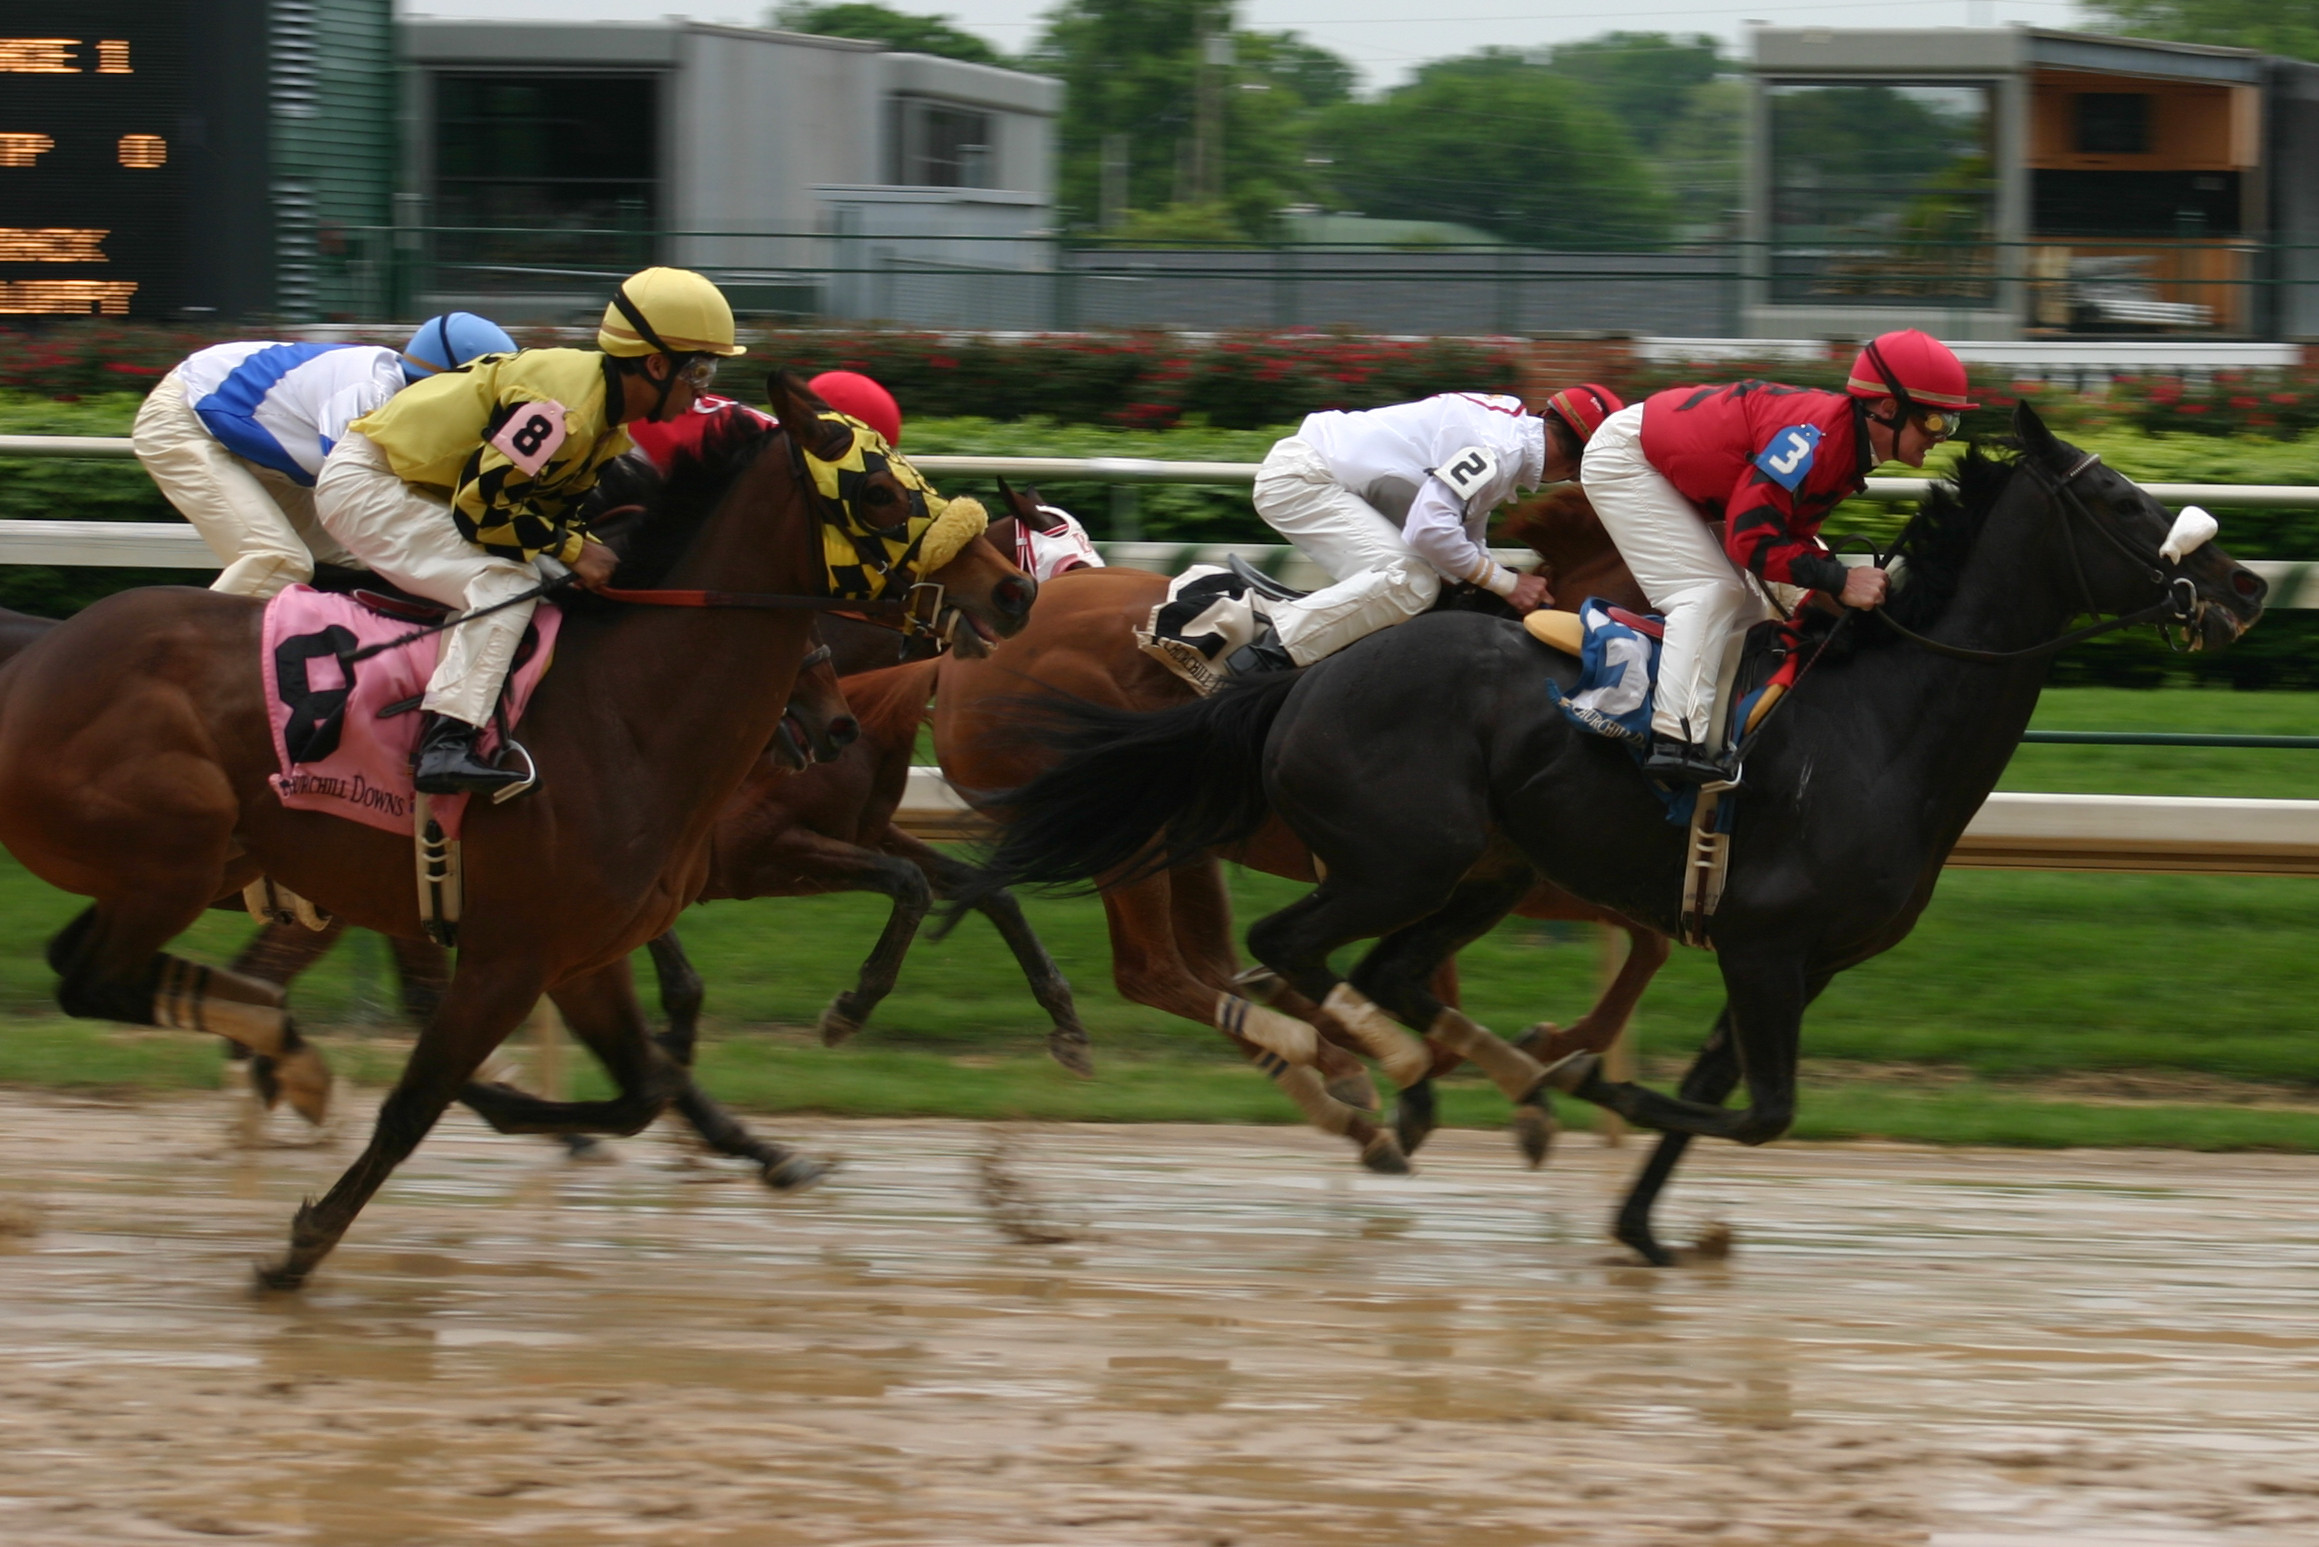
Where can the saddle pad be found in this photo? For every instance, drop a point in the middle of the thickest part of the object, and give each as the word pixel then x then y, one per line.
pixel 337 754
pixel 1209 613
pixel 1618 667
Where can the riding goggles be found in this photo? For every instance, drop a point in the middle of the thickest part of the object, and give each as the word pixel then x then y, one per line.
pixel 1938 424
pixel 698 372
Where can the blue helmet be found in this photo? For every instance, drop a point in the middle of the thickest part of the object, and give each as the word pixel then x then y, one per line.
pixel 446 342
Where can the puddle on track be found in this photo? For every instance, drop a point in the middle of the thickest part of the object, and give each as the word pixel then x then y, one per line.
pixel 1254 1344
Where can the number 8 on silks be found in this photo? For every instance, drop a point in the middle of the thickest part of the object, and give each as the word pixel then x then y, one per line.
pixel 532 434
pixel 1787 461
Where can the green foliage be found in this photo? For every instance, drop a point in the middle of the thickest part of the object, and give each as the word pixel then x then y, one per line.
pixel 898 30
pixel 1496 141
pixel 1636 75
pixel 1131 69
pixel 2289 27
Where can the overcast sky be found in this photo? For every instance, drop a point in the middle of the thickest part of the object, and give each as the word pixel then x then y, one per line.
pixel 1383 37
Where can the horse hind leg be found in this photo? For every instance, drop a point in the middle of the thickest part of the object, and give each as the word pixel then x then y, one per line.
pixel 1067 1040
pixel 1399 974
pixel 109 967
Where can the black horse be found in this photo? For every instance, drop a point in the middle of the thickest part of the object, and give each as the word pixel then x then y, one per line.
pixel 1431 771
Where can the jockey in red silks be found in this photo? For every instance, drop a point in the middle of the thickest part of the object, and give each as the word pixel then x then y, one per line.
pixel 1769 462
pixel 849 392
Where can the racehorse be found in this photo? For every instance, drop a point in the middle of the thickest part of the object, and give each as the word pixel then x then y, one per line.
pixel 1171 931
pixel 1431 773
pixel 135 755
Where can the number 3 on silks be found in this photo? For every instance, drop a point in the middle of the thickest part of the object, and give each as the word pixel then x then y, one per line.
pixel 1787 461
pixel 531 435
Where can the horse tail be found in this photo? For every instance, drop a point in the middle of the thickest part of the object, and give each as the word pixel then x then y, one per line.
pixel 1135 793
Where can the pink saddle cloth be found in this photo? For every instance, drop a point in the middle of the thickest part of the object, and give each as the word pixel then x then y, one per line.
pixel 338 754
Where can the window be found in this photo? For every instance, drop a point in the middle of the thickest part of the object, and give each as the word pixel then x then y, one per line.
pixel 2113 123
pixel 548 152
pixel 936 145
pixel 1882 190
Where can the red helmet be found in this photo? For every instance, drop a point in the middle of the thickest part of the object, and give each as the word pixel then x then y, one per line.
pixel 1584 407
pixel 852 393
pixel 1913 367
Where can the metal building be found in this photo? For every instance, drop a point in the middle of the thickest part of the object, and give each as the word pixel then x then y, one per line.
pixel 809 175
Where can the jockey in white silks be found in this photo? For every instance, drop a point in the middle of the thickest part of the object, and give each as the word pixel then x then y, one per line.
pixel 1393 502
pixel 237 433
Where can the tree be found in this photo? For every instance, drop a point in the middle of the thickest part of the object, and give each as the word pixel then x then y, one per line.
pixel 1497 141
pixel 882 24
pixel 1645 79
pixel 1132 70
pixel 2289 27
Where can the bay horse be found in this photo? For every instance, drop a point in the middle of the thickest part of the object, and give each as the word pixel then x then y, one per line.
pixel 134 762
pixel 1433 776
pixel 1171 931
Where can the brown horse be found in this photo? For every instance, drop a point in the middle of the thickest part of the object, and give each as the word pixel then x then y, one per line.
pixel 1171 934
pixel 135 755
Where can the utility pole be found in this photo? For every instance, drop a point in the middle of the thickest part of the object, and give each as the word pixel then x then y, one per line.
pixel 1214 29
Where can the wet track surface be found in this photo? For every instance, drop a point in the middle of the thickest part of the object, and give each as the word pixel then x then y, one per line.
pixel 1250 1343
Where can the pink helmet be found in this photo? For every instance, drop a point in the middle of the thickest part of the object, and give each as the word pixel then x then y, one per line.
pixel 1584 407
pixel 1912 367
pixel 853 394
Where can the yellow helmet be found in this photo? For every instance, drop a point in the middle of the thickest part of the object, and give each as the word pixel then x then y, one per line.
pixel 667 311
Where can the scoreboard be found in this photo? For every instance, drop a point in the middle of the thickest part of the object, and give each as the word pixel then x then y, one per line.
pixel 95 119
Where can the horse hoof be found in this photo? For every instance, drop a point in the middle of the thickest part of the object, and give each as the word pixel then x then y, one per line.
pixel 836 1025
pixel 1382 1154
pixel 278 1278
pixel 1534 1040
pixel 303 1078
pixel 794 1173
pixel 1414 1116
pixel 1067 1045
pixel 587 1149
pixel 1637 1238
pixel 1571 1075
pixel 1534 1131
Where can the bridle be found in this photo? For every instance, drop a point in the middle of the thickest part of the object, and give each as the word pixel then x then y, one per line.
pixel 2178 601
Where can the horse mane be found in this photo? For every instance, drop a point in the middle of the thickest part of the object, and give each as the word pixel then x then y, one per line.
pixel 678 500
pixel 1939 540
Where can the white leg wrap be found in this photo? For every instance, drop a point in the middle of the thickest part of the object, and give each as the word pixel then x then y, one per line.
pixel 192 997
pixel 1402 1057
pixel 1303 1086
pixel 1282 1035
pixel 1509 1068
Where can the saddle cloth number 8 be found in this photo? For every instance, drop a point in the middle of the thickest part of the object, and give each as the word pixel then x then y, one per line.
pixel 531 435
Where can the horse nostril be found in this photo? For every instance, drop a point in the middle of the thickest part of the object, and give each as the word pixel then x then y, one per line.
pixel 2246 583
pixel 1017 595
pixel 845 730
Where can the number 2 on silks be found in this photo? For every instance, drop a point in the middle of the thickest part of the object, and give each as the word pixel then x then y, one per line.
pixel 1787 461
pixel 532 434
pixel 1468 472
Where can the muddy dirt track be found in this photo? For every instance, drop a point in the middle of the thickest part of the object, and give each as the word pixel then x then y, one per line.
pixel 1252 1344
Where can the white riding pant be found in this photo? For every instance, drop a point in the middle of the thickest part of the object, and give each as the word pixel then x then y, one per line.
pixel 405 534
pixel 1708 602
pixel 258 522
pixel 1380 580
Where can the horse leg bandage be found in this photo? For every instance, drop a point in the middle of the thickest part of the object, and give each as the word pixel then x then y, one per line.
pixel 190 997
pixel 1509 1068
pixel 1404 1059
pixel 1280 1035
pixel 1303 1086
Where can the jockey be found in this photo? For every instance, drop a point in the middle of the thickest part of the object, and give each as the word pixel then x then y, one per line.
pixel 849 392
pixel 1770 462
pixel 237 433
pixel 458 487
pixel 1393 501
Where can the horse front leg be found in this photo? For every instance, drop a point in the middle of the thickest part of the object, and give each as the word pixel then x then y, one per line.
pixel 1067 1041
pixel 487 1000
pixel 1710 1078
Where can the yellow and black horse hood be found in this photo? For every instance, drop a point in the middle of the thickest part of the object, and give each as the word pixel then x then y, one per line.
pixel 866 561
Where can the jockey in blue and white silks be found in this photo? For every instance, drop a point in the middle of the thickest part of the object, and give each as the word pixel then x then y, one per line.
pixel 235 437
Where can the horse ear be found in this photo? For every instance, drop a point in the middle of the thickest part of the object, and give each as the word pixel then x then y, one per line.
pixel 799 409
pixel 2035 438
pixel 1006 492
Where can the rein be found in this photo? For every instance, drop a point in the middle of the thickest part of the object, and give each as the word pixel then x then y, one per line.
pixel 2177 601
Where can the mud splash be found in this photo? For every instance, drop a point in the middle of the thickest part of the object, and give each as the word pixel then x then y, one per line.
pixel 1249 1344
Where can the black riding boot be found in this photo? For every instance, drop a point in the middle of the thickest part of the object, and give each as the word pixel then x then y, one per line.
pixel 1681 762
pixel 1263 653
pixel 449 763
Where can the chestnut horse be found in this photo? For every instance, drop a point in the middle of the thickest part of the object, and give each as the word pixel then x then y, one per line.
pixel 1171 933
pixel 134 763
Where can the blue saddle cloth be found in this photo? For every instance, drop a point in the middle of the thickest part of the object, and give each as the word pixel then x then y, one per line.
pixel 1618 668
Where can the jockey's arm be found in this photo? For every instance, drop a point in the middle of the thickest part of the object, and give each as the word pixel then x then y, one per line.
pixel 1766 535
pixel 1437 530
pixel 500 509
